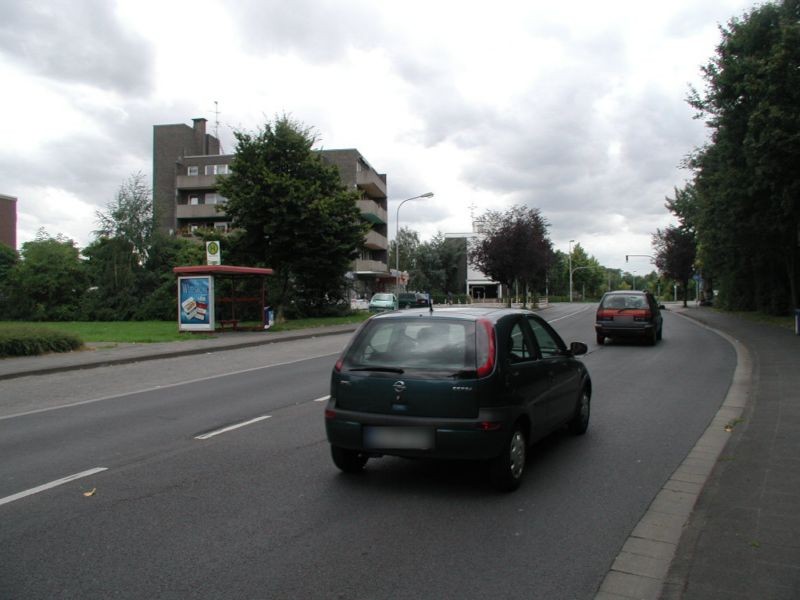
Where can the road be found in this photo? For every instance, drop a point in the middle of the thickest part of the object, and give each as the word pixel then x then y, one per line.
pixel 188 508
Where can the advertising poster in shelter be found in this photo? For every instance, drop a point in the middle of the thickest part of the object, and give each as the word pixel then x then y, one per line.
pixel 196 303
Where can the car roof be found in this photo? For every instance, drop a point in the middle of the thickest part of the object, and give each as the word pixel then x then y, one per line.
pixel 466 313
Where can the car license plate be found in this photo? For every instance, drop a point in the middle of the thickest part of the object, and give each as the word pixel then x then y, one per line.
pixel 405 438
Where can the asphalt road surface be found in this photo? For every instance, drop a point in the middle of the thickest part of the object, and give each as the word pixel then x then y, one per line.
pixel 216 481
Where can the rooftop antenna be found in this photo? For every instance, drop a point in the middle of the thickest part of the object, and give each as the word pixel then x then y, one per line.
pixel 216 125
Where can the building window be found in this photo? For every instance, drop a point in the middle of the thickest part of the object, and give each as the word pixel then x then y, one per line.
pixel 194 200
pixel 217 169
pixel 193 170
pixel 221 226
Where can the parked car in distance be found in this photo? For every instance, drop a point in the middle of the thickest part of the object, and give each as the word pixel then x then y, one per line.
pixel 413 300
pixel 629 314
pixel 382 302
pixel 457 383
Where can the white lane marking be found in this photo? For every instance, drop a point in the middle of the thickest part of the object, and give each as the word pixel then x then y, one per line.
pixel 571 314
pixel 322 399
pixel 52 484
pixel 211 434
pixel 163 387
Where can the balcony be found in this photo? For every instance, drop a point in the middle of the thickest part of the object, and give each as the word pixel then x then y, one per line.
pixel 198 211
pixel 196 182
pixel 369 266
pixel 372 211
pixel 369 181
pixel 376 241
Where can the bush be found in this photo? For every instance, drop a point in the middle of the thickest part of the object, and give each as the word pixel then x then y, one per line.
pixel 32 342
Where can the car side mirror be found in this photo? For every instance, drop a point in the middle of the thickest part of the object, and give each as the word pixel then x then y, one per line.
pixel 578 348
pixel 662 307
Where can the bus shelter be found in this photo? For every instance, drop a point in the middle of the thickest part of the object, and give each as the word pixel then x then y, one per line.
pixel 211 295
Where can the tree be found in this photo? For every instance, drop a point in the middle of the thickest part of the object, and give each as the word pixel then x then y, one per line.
pixel 514 247
pixel 747 213
pixel 675 254
pixel 408 243
pixel 296 215
pixel 130 216
pixel 48 282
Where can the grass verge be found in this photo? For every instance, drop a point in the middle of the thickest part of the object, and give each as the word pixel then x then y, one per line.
pixel 144 332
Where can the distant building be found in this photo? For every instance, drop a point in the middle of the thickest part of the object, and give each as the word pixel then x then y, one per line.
pixel 8 221
pixel 187 162
pixel 476 283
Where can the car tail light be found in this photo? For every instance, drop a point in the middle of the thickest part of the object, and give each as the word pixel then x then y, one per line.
pixel 338 366
pixel 489 425
pixel 642 315
pixel 605 315
pixel 485 347
pixel 330 414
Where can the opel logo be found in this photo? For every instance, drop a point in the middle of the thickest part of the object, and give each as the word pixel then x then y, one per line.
pixel 399 386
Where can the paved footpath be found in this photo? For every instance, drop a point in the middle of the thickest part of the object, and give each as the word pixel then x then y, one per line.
pixel 727 523
pixel 743 538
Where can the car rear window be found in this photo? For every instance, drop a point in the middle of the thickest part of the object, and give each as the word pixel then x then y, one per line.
pixel 420 344
pixel 624 301
pixel 382 297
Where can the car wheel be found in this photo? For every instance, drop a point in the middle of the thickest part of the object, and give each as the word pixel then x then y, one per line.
pixel 349 461
pixel 580 421
pixel 507 469
pixel 660 333
pixel 600 339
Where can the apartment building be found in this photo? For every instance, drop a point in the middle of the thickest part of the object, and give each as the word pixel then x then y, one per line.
pixel 8 221
pixel 187 162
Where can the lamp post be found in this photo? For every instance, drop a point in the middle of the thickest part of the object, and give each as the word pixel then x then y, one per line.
pixel 570 270
pixel 397 240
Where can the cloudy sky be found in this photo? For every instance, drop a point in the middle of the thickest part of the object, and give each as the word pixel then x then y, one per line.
pixel 576 108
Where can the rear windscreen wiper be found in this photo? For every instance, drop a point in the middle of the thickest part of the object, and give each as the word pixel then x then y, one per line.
pixel 380 369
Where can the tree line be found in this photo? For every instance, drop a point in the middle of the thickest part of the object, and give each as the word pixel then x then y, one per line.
pixel 739 216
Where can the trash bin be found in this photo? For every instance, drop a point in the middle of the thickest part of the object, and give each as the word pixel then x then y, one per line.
pixel 797 321
pixel 269 317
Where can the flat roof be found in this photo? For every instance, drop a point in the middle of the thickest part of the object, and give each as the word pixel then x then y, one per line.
pixel 221 270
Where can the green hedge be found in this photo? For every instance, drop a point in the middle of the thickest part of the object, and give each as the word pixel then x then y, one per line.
pixel 32 342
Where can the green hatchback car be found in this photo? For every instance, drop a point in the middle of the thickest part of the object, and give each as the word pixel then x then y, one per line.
pixel 458 383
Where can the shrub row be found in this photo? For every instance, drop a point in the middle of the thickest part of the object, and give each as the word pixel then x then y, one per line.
pixel 32 342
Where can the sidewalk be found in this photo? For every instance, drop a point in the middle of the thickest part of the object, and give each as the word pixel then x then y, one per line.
pixel 742 540
pixel 105 354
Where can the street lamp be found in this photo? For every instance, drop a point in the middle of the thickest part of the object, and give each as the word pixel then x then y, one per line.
pixel 397 240
pixel 570 270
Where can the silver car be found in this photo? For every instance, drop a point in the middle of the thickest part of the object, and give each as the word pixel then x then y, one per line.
pixel 382 302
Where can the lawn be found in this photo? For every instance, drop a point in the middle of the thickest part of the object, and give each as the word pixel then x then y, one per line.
pixel 141 332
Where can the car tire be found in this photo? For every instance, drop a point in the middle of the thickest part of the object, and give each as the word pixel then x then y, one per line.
pixel 660 333
pixel 580 421
pixel 506 470
pixel 348 461
pixel 652 337
pixel 600 339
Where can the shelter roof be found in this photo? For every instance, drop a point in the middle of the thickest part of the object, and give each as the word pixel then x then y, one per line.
pixel 221 270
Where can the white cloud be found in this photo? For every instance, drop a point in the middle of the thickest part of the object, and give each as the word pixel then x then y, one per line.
pixel 576 108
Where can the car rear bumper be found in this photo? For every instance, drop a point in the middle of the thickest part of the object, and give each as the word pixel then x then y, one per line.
pixel 637 330
pixel 448 438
